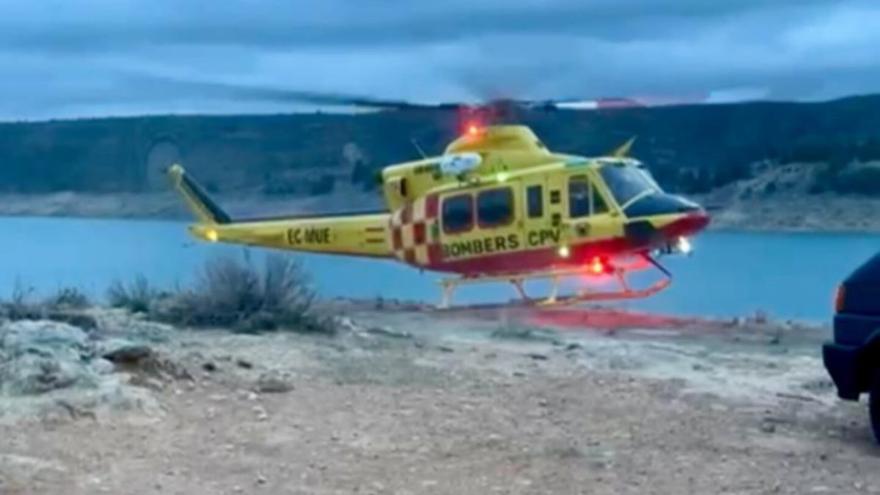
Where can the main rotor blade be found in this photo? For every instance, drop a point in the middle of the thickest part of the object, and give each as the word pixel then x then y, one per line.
pixel 283 95
pixel 236 91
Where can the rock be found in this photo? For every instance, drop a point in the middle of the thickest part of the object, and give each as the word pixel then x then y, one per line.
pixel 41 356
pixel 537 356
pixel 209 366
pixel 443 348
pixel 525 333
pixel 32 374
pixel 573 346
pixel 389 332
pixel 347 324
pixel 78 319
pixel 149 331
pixel 768 427
pixel 142 359
pixel 25 335
pixel 261 413
pixel 273 382
pixel 242 363
pixel 122 351
pixel 102 366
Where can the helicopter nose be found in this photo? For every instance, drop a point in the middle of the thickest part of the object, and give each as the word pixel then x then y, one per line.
pixel 688 224
pixel 678 218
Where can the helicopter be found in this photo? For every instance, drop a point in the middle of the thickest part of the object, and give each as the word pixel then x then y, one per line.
pixel 496 206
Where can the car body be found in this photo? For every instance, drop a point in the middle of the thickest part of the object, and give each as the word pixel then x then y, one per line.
pixel 852 358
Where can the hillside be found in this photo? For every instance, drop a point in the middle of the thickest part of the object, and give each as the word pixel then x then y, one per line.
pixel 689 148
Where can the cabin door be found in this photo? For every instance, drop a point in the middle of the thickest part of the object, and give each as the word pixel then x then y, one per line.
pixel 589 217
pixel 537 213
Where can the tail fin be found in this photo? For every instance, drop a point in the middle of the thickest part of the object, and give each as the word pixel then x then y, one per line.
pixel 202 206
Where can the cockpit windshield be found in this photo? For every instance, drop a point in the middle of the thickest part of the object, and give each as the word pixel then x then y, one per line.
pixel 626 182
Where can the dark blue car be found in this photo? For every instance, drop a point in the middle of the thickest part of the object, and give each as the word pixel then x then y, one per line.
pixel 853 357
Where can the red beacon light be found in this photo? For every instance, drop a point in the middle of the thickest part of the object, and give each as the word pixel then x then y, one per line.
pixel 473 129
pixel 597 266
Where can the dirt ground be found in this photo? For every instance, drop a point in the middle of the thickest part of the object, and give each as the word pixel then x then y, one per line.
pixel 468 403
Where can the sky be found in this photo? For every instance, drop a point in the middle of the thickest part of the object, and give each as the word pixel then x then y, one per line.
pixel 92 58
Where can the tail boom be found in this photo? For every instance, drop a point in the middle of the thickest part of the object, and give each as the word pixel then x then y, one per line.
pixel 351 234
pixel 354 235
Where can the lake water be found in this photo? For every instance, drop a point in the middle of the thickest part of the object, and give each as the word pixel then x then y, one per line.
pixel 729 274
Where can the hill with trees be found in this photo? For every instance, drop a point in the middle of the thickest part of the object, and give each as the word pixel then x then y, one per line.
pixel 692 148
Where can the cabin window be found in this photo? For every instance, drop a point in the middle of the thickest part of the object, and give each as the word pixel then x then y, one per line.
pixel 584 199
pixel 458 213
pixel 495 207
pixel 535 201
pixel 578 197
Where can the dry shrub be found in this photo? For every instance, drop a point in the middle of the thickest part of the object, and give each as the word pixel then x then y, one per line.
pixel 236 294
pixel 69 298
pixel 136 296
pixel 67 305
pixel 20 305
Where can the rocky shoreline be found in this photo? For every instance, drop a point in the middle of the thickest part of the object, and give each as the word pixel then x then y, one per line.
pixel 405 399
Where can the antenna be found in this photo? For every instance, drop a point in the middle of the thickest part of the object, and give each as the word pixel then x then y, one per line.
pixel 418 148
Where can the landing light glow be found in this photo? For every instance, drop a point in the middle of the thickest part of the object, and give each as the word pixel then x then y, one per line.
pixel 684 245
pixel 564 252
pixel 211 235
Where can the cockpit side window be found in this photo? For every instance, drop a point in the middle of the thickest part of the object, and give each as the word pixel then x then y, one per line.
pixel 583 198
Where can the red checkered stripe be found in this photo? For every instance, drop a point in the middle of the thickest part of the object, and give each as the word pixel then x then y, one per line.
pixel 414 232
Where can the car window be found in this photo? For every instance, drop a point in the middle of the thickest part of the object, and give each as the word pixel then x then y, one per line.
pixel 458 213
pixel 495 207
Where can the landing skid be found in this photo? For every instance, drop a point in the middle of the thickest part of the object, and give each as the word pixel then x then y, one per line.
pixel 624 292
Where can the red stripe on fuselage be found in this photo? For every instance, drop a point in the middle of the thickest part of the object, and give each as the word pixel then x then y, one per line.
pixel 533 259
pixel 579 254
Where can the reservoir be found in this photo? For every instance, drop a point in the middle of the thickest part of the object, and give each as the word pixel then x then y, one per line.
pixel 787 275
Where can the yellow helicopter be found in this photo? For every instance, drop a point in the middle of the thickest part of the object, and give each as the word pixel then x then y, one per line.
pixel 496 206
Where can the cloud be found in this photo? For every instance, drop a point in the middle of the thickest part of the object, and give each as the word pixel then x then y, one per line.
pixel 100 57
